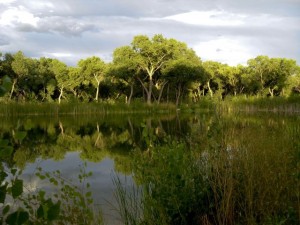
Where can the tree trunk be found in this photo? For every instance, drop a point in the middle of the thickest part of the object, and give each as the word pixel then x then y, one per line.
pixel 131 128
pixel 61 127
pixel 161 91
pixel 271 91
pixel 144 88
pixel 131 93
pixel 60 94
pixel 168 92
pixel 98 86
pixel 12 88
pixel 149 93
pixel 178 94
pixel 209 89
pixel 97 91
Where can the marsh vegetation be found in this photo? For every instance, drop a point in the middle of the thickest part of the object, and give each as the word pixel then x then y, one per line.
pixel 186 168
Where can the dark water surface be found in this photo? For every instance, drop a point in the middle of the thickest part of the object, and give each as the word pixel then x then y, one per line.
pixel 107 143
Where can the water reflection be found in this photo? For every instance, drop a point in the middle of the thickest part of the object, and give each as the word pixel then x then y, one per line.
pixel 100 181
pixel 108 144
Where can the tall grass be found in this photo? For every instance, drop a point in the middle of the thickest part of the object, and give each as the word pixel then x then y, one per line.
pixel 254 104
pixel 129 202
pixel 249 104
pixel 240 176
pixel 53 109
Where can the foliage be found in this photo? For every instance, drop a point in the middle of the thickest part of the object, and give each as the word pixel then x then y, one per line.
pixel 217 178
pixel 71 204
pixel 151 69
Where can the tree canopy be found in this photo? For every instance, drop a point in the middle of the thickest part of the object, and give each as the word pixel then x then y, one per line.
pixel 149 69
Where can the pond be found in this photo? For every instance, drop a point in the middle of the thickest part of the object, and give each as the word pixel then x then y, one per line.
pixel 200 168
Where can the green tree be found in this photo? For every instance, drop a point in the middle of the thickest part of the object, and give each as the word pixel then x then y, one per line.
pixel 259 68
pixel 60 71
pixel 281 70
pixel 46 78
pixel 124 69
pixel 212 76
pixel 93 69
pixel 148 57
pixel 20 67
pixel 76 81
pixel 293 83
pixel 231 78
pixel 185 68
pixel 271 74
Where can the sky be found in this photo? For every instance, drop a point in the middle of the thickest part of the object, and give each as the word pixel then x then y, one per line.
pixel 227 31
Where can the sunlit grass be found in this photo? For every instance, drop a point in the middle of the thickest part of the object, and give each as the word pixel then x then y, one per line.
pixel 50 109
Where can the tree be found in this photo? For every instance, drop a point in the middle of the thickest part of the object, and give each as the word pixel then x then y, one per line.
pixel 231 77
pixel 211 75
pixel 293 84
pixel 281 70
pixel 76 80
pixel 93 69
pixel 182 70
pixel 46 78
pixel 60 71
pixel 259 68
pixel 125 69
pixel 20 67
pixel 271 73
pixel 148 57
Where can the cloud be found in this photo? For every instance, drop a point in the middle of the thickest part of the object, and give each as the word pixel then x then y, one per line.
pixel 208 18
pixel 4 40
pixel 226 50
pixel 17 15
pixel 227 30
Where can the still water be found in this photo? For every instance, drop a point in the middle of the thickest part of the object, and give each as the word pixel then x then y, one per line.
pixel 107 144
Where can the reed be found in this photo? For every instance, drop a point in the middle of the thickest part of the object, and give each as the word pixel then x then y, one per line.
pixel 54 109
pixel 250 180
pixel 255 104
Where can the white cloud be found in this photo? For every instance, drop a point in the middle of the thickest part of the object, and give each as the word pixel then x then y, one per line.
pixel 59 54
pixel 209 18
pixel 225 50
pixel 6 2
pixel 18 15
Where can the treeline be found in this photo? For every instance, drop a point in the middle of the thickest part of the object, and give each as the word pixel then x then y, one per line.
pixel 149 69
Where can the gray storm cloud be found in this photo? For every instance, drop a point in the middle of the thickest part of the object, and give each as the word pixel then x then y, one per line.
pixel 229 31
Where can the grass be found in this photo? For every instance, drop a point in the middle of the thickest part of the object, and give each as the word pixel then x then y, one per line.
pixel 54 109
pixel 239 103
pixel 254 104
pixel 239 176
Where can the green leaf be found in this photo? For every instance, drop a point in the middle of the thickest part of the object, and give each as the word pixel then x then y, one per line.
pixel 17 188
pixel 88 194
pixel 20 135
pixel 3 143
pixel 40 212
pixel 17 218
pixel 54 212
pixel 5 86
pixel 6 152
pixel 42 195
pixel 13 171
pixel 6 210
pixel 3 190
pixel 3 175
